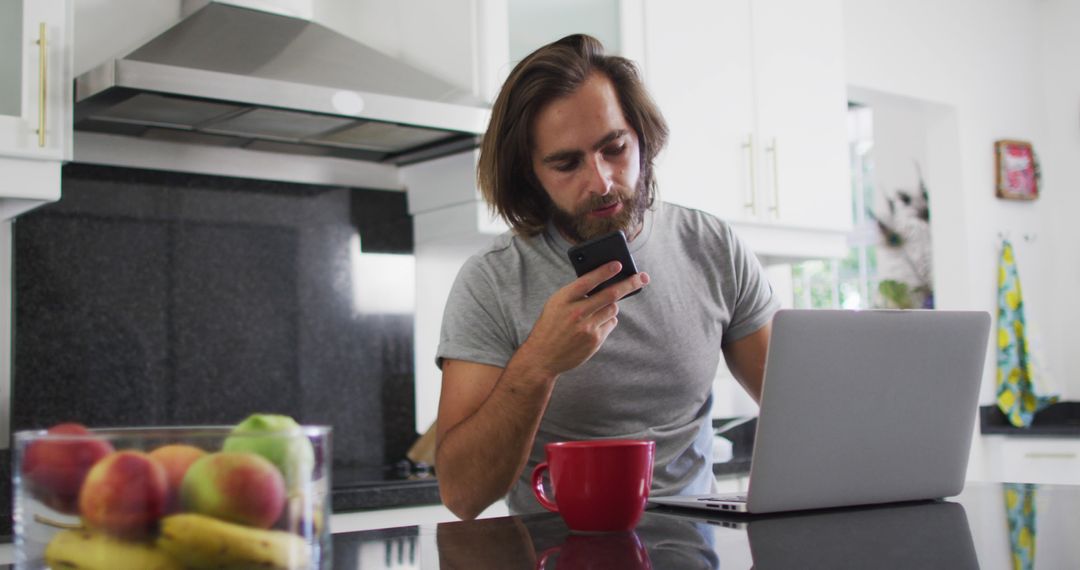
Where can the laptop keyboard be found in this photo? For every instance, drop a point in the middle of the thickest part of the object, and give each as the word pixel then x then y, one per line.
pixel 735 497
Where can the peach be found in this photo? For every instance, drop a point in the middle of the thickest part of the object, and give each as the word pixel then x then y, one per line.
pixel 240 487
pixel 54 468
pixel 125 494
pixel 176 459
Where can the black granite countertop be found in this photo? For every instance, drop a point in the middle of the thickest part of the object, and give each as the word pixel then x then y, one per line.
pixel 390 493
pixel 425 491
pixel 1056 420
pixel 968 531
pixel 385 495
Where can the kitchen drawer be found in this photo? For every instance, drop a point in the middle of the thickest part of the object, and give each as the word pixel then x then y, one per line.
pixel 1032 459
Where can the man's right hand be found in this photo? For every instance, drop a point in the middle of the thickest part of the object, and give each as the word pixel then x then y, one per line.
pixel 572 327
pixel 488 416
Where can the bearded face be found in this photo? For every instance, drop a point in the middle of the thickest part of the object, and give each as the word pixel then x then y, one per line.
pixel 581 225
pixel 587 159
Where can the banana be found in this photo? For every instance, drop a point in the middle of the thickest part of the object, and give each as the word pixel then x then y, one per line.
pixel 200 541
pixel 90 550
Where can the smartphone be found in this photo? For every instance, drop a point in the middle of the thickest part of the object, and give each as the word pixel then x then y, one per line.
pixel 589 255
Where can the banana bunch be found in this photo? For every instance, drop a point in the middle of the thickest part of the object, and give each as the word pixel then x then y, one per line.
pixel 90 550
pixel 186 541
pixel 200 541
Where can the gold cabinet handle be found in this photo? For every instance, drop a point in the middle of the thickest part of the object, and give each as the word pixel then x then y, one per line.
pixel 775 151
pixel 43 56
pixel 1049 455
pixel 751 204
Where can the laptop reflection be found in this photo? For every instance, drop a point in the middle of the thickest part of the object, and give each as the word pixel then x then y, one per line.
pixel 923 535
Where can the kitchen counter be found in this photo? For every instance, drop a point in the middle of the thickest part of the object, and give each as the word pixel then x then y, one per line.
pixel 971 530
pixel 1056 420
pixel 968 531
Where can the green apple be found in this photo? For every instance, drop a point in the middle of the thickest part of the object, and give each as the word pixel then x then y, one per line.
pixel 280 440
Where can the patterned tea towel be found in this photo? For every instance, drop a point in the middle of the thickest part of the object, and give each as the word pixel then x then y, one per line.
pixel 1020 515
pixel 1015 389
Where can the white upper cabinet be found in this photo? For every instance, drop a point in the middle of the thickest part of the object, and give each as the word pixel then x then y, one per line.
pixel 698 69
pixel 755 97
pixel 35 68
pixel 802 112
pixel 35 101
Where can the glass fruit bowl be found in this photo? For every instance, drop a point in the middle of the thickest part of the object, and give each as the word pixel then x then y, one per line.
pixel 173 497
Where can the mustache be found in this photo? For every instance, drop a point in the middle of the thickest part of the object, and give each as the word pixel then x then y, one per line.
pixel 597 202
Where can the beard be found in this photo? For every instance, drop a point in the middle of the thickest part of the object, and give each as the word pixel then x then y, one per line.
pixel 578 226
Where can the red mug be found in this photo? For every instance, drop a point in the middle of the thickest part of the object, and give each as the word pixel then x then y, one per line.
pixel 600 485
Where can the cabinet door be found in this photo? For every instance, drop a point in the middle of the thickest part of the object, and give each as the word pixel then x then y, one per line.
pixel 1048 460
pixel 697 66
pixel 802 106
pixel 35 97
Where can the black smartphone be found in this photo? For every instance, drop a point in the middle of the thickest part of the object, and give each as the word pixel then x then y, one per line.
pixel 589 255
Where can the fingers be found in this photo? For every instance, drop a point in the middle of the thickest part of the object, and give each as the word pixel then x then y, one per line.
pixel 631 284
pixel 619 290
pixel 582 285
pixel 605 321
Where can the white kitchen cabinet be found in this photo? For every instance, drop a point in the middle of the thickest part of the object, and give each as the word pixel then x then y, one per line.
pixel 698 68
pixel 1047 460
pixel 802 113
pixel 755 98
pixel 35 101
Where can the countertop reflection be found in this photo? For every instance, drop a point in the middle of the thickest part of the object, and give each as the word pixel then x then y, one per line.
pixel 987 526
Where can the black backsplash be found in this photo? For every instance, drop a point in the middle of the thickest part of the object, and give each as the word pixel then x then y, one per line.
pixel 159 298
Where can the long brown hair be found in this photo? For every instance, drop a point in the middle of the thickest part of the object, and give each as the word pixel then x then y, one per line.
pixel 504 171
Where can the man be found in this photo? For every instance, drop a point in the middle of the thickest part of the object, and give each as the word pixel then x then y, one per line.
pixel 526 357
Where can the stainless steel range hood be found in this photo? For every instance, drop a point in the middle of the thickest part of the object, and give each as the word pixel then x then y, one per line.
pixel 237 77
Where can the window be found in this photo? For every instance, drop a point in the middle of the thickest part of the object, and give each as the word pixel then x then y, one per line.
pixel 851 282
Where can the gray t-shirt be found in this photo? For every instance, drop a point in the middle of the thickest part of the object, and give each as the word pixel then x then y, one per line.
pixel 652 377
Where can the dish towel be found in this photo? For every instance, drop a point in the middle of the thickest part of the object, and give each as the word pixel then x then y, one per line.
pixel 1015 389
pixel 1020 514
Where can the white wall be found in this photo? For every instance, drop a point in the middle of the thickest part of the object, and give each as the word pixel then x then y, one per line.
pixel 1060 109
pixel 105 29
pixel 985 65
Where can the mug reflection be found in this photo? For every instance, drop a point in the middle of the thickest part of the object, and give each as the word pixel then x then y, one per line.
pixel 676 542
pixel 623 550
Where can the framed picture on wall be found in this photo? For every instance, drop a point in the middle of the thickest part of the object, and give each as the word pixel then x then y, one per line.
pixel 1017 170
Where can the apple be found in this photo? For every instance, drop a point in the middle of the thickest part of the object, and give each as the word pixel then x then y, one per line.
pixel 54 467
pixel 125 494
pixel 176 458
pixel 235 486
pixel 280 440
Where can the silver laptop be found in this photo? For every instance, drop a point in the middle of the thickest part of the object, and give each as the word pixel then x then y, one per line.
pixel 861 407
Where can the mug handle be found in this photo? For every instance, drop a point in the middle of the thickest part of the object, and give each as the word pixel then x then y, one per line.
pixel 541 564
pixel 538 488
